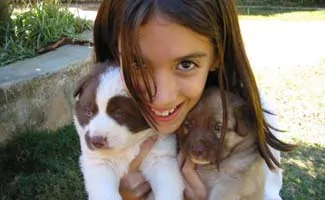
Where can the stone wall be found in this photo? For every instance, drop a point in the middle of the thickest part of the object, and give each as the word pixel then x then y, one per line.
pixel 37 93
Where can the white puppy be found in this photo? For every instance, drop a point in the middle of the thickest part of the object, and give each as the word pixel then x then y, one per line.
pixel 111 129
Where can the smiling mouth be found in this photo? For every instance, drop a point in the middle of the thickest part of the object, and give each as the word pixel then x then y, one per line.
pixel 163 113
pixel 166 115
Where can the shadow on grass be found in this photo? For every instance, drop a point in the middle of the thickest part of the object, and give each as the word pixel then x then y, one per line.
pixel 304 173
pixel 44 165
pixel 41 166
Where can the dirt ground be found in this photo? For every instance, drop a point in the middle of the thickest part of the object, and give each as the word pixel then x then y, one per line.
pixel 288 59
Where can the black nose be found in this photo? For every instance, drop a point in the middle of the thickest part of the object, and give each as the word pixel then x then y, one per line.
pixel 198 149
pixel 98 141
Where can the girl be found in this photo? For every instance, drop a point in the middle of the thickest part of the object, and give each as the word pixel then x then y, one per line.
pixel 170 51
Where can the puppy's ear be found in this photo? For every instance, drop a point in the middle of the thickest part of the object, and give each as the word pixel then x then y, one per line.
pixel 242 116
pixel 78 90
pixel 96 70
pixel 81 85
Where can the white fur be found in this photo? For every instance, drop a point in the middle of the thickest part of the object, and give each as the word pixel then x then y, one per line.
pixel 273 180
pixel 102 169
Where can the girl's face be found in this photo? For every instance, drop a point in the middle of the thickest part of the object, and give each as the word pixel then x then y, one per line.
pixel 180 60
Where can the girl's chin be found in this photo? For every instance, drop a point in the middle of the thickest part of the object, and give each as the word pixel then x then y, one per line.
pixel 164 129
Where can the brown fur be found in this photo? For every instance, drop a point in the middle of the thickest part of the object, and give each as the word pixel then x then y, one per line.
pixel 241 170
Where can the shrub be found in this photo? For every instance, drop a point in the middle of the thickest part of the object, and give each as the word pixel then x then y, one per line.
pixel 37 26
pixel 5 12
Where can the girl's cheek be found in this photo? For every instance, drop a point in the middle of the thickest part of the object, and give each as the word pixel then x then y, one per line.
pixel 194 86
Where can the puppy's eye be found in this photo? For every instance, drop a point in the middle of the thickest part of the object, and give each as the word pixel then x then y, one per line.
pixel 187 126
pixel 88 112
pixel 119 113
pixel 217 129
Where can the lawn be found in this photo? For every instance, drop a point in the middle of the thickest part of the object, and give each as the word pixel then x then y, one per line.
pixel 41 165
pixel 44 165
pixel 271 13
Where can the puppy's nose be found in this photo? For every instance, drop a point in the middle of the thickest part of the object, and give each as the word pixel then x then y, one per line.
pixel 198 149
pixel 99 141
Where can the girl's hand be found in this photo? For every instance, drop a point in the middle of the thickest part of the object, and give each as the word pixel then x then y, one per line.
pixel 194 187
pixel 133 185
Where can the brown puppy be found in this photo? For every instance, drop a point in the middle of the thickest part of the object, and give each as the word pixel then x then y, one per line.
pixel 241 171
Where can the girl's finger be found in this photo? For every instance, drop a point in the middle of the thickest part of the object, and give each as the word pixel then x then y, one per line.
pixel 142 190
pixel 134 186
pixel 189 193
pixel 145 149
pixel 132 181
pixel 194 180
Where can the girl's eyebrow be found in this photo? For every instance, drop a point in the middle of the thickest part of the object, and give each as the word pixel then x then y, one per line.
pixel 185 57
pixel 191 56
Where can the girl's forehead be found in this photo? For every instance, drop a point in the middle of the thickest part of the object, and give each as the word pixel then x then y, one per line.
pixel 161 37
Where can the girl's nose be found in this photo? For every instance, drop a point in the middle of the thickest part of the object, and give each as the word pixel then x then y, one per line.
pixel 166 89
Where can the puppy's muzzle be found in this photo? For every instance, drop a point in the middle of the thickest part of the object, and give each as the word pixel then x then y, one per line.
pixel 96 142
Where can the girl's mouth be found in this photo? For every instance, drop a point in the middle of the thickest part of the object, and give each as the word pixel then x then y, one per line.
pixel 166 115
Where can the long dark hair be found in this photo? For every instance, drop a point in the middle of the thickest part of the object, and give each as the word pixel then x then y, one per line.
pixel 120 20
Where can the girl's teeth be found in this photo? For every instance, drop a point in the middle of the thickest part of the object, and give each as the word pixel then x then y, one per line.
pixel 164 113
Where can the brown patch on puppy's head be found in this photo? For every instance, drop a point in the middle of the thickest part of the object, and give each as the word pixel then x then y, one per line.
pixel 126 113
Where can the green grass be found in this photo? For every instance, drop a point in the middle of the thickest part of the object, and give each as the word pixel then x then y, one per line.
pixel 35 26
pixel 44 165
pixel 287 3
pixel 41 165
pixel 269 13
pixel 304 173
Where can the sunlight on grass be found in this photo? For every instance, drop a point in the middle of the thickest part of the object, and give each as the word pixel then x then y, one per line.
pixel 285 15
pixel 44 165
pixel 304 173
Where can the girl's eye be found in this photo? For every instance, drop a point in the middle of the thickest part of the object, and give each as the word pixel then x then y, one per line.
pixel 139 65
pixel 186 65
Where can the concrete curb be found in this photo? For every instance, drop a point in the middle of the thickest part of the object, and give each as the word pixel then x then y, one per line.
pixel 36 93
